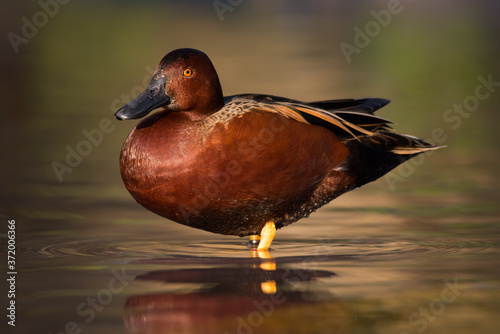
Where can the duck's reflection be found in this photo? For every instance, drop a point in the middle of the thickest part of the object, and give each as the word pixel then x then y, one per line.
pixel 248 298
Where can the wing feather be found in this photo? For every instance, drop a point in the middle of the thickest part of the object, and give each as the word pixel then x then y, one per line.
pixel 349 119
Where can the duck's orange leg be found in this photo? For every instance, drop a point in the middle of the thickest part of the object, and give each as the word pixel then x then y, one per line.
pixel 266 236
pixel 263 240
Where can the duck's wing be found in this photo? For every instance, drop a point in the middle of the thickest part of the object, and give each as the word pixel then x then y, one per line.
pixel 363 105
pixel 348 119
pixel 357 111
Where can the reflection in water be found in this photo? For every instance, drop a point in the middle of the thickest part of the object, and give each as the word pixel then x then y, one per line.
pixel 262 296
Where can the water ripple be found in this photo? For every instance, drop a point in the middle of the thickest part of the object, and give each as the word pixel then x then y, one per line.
pixel 363 249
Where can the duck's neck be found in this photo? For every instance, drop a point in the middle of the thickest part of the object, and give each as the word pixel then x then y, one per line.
pixel 213 102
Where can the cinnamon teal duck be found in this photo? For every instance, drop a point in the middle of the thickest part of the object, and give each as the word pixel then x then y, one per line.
pixel 248 164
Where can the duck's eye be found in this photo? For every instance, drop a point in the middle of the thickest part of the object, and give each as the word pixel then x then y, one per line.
pixel 188 72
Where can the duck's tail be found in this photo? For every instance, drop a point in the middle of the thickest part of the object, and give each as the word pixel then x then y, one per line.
pixel 396 143
pixel 378 154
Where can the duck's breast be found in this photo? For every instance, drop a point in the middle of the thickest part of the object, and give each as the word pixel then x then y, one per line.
pixel 157 159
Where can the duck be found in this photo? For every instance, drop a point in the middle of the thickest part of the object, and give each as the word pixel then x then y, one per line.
pixel 248 164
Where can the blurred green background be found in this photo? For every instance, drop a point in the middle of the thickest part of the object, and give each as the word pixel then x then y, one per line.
pixel 84 59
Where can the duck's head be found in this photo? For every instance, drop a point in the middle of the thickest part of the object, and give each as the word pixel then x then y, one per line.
pixel 185 80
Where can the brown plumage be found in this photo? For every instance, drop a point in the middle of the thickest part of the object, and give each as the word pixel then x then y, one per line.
pixel 231 165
